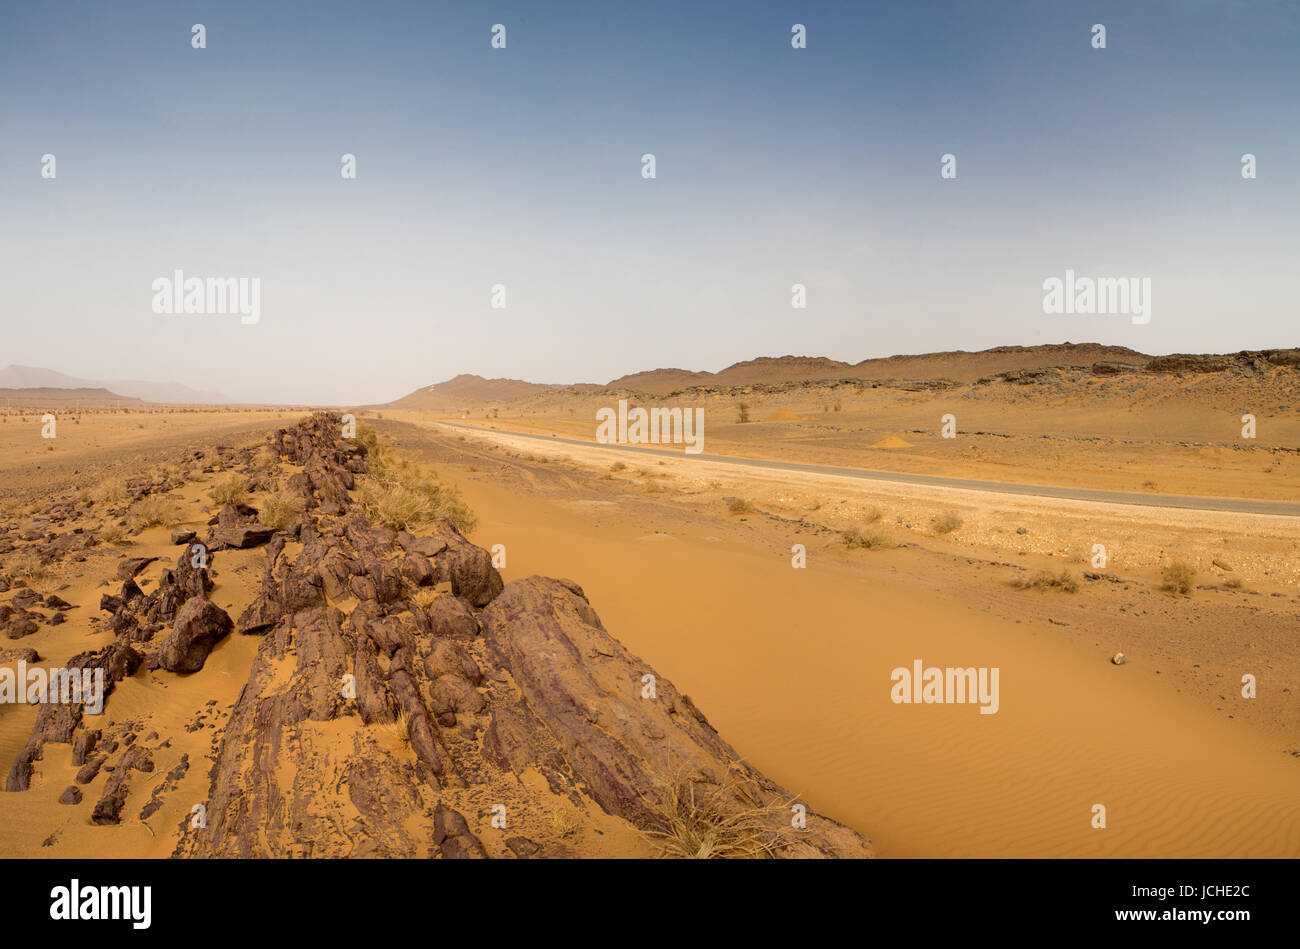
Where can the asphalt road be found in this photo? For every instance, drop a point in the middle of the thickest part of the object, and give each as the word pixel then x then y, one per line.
pixel 1230 505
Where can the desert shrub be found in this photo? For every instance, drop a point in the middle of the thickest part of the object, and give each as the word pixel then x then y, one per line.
pixel 112 492
pixel 400 727
pixel 1046 580
pixel 112 533
pixel 564 824
pixel 232 489
pixel 400 494
pixel 25 566
pixel 422 597
pixel 278 511
pixel 724 823
pixel 617 466
pixel 947 522
pixel 1178 578
pixel 739 506
pixel 855 538
pixel 155 512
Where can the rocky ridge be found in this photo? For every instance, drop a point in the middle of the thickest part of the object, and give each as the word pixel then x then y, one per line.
pixel 403 701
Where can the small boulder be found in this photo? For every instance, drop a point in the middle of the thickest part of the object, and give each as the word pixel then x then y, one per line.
pixel 200 624
pixel 131 566
pixel 250 535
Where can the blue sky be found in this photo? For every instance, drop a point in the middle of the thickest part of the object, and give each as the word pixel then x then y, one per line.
pixel 522 166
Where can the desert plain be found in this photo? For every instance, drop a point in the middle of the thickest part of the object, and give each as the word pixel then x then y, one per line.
pixel 1101 529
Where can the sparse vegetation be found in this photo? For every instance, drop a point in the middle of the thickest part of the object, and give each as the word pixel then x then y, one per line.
pixel 400 727
pixel 1178 578
pixel 739 506
pixel 112 492
pixel 112 533
pixel 742 412
pixel 1046 580
pixel 947 522
pixel 617 466
pixel 422 597
pixel 232 489
pixel 278 511
pixel 400 494
pixel 855 538
pixel 25 566
pixel 726 822
pixel 155 512
pixel 564 824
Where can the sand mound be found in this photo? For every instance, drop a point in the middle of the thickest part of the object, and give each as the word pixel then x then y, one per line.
pixel 783 415
pixel 893 441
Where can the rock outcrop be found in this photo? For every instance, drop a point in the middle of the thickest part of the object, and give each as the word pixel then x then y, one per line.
pixel 404 702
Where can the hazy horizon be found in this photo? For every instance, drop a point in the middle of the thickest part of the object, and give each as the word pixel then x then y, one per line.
pixel 522 166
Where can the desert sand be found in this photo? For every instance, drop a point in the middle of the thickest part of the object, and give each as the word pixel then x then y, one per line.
pixel 777 603
pixel 795 663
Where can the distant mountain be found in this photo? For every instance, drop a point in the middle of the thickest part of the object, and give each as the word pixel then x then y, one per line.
pixel 661 380
pixel 465 390
pixel 30 377
pixel 40 397
pixel 959 366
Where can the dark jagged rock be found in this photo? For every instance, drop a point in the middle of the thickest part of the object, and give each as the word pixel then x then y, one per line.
pixel 200 625
pixel 108 809
pixel 247 535
pixel 131 567
pixel 452 835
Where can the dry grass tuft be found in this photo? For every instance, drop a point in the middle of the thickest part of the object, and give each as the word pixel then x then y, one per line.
pixel 278 511
pixel 1178 578
pixel 1046 580
pixel 155 512
pixel 726 822
pixel 112 533
pixel 564 824
pixel 947 522
pixel 855 538
pixel 400 494
pixel 112 492
pixel 25 566
pixel 739 506
pixel 232 489
pixel 400 727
